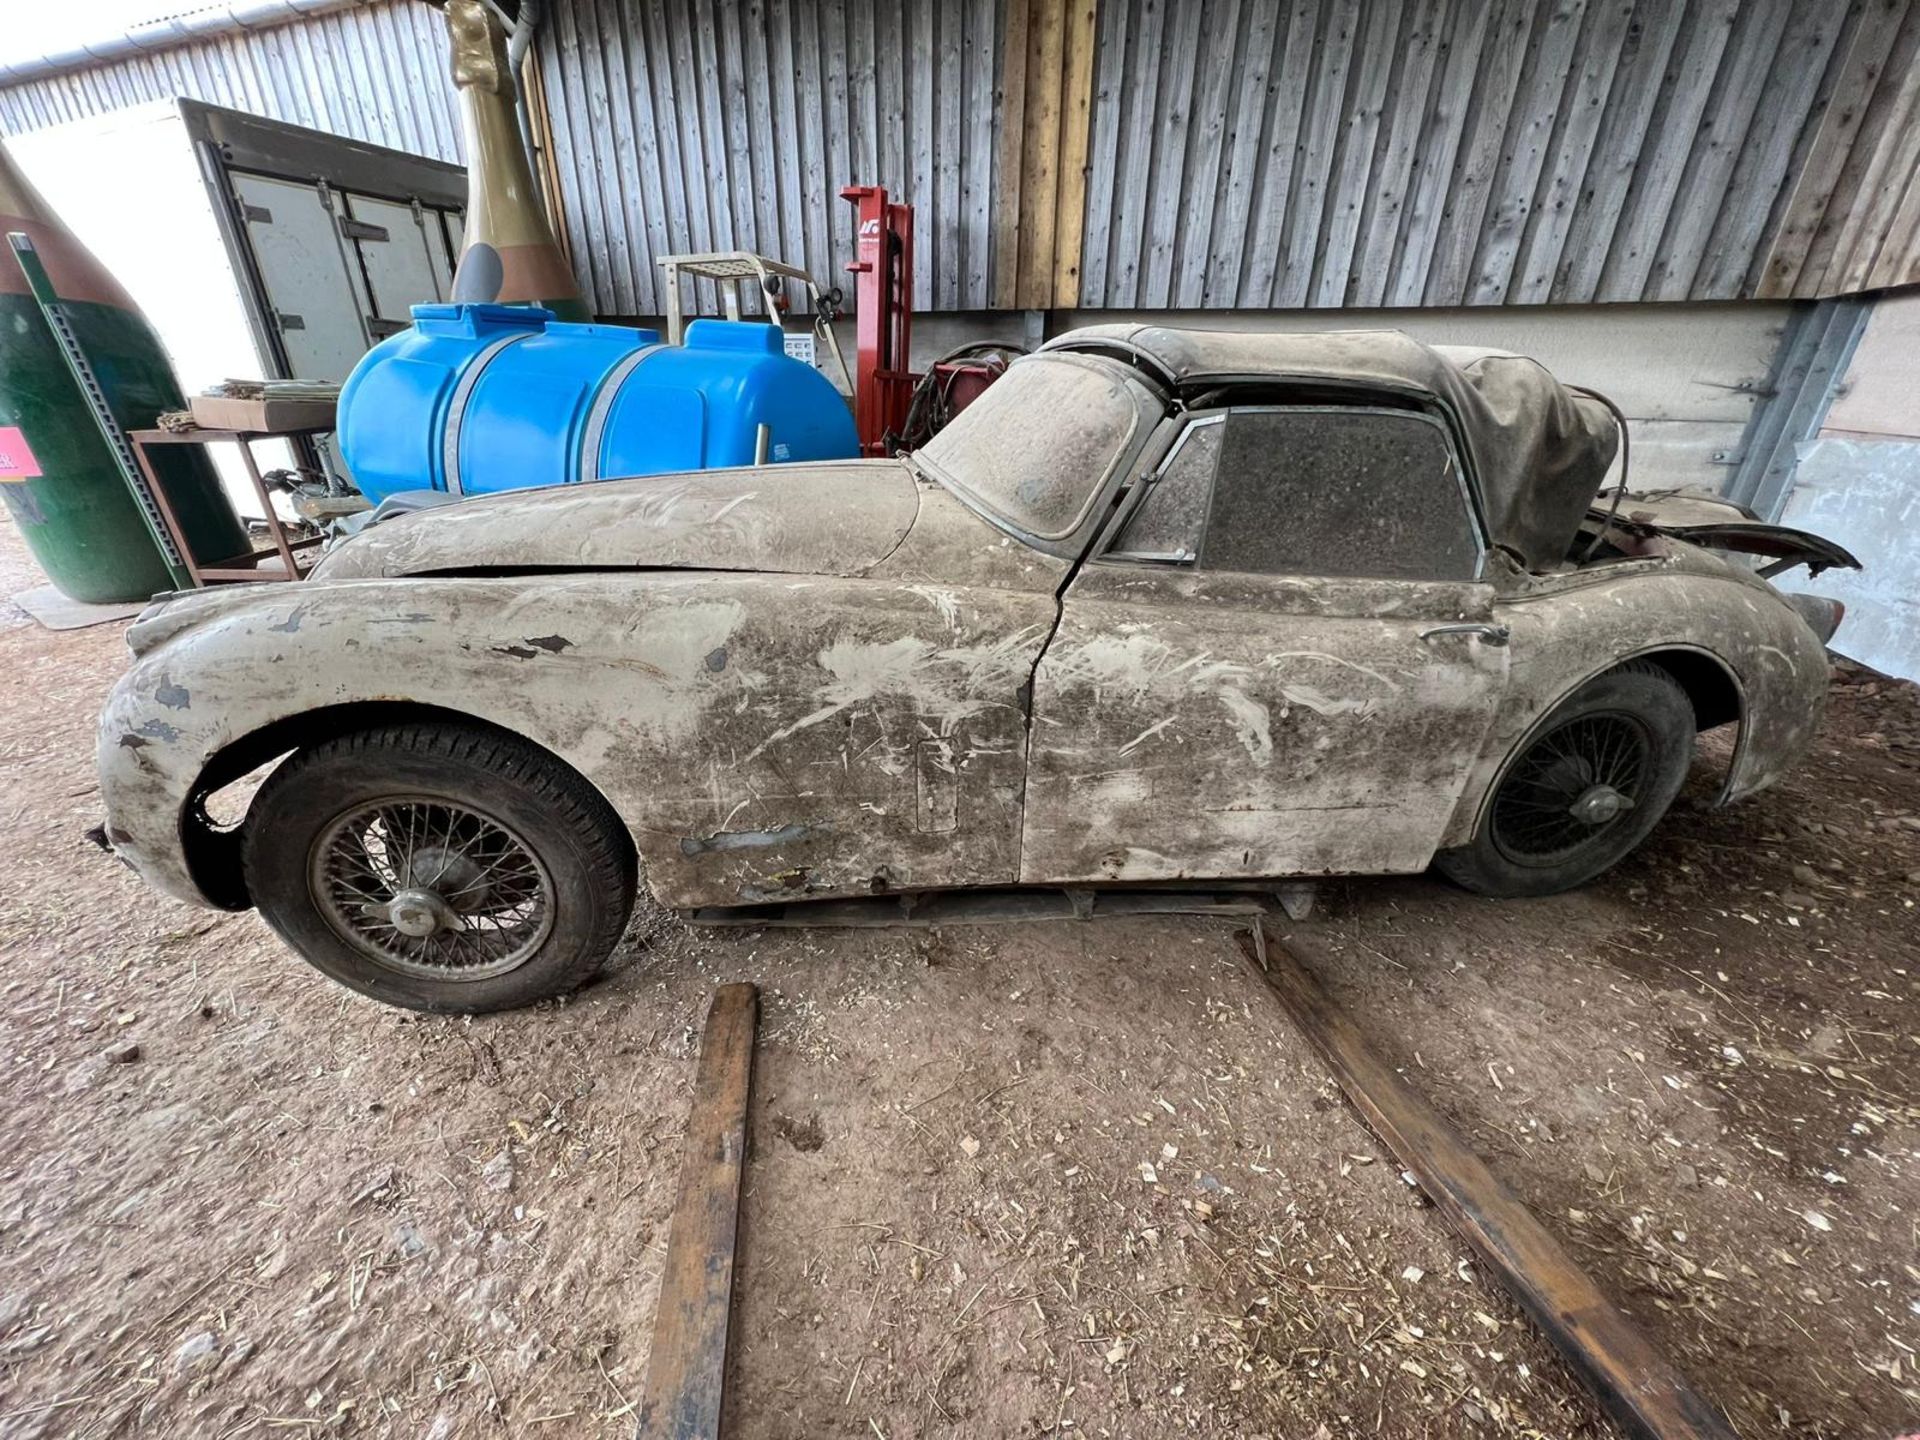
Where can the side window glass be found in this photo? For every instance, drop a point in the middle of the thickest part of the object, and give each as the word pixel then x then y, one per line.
pixel 1169 522
pixel 1355 493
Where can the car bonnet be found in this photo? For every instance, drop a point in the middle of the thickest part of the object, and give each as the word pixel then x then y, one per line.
pixel 836 518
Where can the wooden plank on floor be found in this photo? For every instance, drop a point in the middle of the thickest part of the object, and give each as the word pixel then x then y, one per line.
pixel 687 1366
pixel 1633 1381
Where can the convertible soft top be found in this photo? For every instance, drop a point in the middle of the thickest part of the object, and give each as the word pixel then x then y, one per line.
pixel 1538 450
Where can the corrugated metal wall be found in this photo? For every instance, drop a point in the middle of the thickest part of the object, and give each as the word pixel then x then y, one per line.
pixel 1239 153
pixel 377 73
pixel 1447 152
pixel 702 125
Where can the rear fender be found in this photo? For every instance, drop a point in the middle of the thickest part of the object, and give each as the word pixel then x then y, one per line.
pixel 1567 631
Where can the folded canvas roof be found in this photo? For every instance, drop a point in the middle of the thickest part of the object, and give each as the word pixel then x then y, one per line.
pixel 1538 451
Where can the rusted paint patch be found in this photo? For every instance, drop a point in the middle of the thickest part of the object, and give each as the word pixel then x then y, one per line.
pixel 746 839
pixel 783 886
pixel 534 646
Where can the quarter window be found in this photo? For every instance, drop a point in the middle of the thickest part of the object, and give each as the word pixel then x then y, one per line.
pixel 1170 521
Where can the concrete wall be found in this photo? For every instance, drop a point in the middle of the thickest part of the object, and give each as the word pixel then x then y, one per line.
pixel 1687 376
pixel 1858 482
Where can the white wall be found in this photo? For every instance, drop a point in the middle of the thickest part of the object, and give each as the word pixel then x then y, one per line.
pixel 1858 482
pixel 1686 376
pixel 128 184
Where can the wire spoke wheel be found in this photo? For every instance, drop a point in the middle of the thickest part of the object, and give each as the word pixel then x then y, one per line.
pixel 1571 787
pixel 431 889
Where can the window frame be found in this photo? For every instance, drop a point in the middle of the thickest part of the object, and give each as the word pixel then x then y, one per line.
pixel 1196 422
pixel 1104 551
pixel 1071 543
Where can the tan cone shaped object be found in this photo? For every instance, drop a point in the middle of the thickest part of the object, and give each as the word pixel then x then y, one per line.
pixel 509 256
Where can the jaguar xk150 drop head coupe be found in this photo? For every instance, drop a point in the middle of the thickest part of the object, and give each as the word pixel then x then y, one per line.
pixel 1160 606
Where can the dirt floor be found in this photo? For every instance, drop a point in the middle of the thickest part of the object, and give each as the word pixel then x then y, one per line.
pixel 1081 1179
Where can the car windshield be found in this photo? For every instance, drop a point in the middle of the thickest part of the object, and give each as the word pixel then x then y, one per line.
pixel 1036 447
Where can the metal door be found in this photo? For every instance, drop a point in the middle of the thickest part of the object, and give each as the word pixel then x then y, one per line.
pixel 1190 725
pixel 316 299
pixel 393 243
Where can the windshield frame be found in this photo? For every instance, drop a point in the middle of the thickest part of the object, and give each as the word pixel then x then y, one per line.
pixel 1150 408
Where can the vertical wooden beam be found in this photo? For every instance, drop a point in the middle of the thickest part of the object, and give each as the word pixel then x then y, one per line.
pixel 1009 162
pixel 1076 134
pixel 687 1366
pixel 1646 1395
pixel 1040 163
pixel 1046 115
pixel 545 168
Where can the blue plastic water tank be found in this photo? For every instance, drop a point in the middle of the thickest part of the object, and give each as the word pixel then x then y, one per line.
pixel 476 399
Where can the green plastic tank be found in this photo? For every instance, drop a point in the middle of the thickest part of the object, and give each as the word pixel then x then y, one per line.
pixel 60 482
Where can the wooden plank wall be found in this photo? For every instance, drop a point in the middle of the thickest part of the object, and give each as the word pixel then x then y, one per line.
pixel 377 72
pixel 1498 152
pixel 1040 210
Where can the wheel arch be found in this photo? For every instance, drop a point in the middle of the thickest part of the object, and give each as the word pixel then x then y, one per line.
pixel 1716 693
pixel 1710 684
pixel 212 851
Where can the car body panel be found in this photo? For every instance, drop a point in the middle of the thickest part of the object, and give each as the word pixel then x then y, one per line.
pixel 1568 628
pixel 831 518
pixel 1208 725
pixel 788 737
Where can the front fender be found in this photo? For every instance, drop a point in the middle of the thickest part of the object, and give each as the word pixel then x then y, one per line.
pixel 215 669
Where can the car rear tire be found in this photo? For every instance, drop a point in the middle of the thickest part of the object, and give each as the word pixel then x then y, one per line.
pixel 1583 789
pixel 440 867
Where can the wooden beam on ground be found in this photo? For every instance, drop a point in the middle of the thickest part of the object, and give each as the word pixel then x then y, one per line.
pixel 687 1366
pixel 1634 1382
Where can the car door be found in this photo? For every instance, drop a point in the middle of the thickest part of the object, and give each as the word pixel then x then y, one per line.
pixel 1279 659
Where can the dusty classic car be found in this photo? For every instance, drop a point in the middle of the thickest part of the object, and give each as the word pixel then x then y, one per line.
pixel 1161 606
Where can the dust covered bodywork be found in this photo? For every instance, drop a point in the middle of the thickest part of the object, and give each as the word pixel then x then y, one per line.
pixel 767 733
pixel 996 661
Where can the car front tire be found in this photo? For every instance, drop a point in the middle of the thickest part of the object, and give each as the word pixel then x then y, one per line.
pixel 1583 789
pixel 440 867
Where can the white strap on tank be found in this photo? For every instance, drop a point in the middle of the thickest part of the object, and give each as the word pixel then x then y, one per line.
pixel 603 406
pixel 457 408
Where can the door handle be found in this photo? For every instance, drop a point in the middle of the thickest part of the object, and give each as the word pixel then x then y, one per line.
pixel 1492 634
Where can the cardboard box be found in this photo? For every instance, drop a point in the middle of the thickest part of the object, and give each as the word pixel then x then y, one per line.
pixel 221 412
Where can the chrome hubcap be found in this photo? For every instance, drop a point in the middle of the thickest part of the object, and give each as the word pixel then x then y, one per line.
pixel 1570 787
pixel 429 888
pixel 1600 803
pixel 415 912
